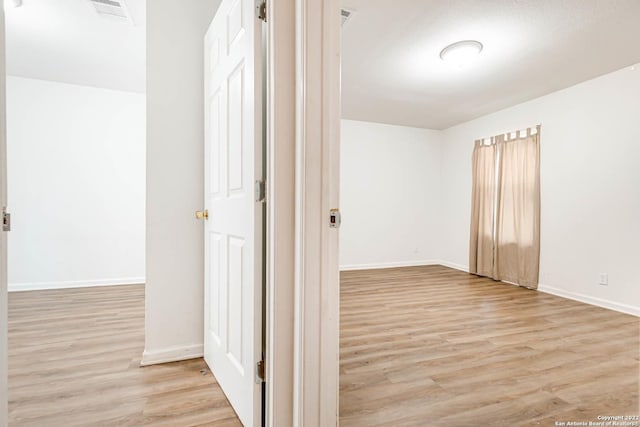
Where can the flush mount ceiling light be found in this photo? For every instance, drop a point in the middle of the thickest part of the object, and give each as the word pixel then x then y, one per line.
pixel 461 53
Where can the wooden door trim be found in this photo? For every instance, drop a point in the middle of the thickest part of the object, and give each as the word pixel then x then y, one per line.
pixel 303 116
pixel 280 179
pixel 4 393
pixel 317 287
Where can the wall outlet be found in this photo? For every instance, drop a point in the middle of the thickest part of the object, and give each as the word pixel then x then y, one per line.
pixel 604 279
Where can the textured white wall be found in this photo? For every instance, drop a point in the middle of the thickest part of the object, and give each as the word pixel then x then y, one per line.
pixel 590 186
pixel 76 185
pixel 175 175
pixel 389 195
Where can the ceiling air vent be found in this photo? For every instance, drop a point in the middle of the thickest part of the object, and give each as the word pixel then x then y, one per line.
pixel 345 14
pixel 116 9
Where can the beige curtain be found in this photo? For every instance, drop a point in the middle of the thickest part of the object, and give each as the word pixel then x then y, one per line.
pixel 505 208
pixel 517 254
pixel 482 208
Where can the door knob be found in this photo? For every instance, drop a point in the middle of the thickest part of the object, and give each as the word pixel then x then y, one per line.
pixel 202 214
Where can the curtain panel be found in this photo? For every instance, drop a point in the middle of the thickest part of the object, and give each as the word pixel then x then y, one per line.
pixel 505 208
pixel 482 209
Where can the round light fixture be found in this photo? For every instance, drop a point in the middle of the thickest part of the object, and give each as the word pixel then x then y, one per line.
pixel 461 53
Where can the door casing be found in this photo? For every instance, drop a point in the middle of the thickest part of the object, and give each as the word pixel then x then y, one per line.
pixel 303 143
pixel 4 393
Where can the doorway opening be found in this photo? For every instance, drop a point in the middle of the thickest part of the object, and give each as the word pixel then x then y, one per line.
pixel 76 147
pixel 422 340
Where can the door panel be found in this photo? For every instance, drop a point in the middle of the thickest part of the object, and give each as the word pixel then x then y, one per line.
pixel 233 232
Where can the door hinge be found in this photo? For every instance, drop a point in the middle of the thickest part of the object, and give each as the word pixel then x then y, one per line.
pixel 260 372
pixel 261 10
pixel 260 191
pixel 6 220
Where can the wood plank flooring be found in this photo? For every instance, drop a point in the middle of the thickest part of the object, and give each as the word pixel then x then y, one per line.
pixel 420 346
pixel 432 346
pixel 74 359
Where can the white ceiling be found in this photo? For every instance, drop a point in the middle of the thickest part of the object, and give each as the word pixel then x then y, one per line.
pixel 391 70
pixel 67 41
pixel 392 73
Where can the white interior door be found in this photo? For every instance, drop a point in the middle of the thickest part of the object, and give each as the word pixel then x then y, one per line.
pixel 233 231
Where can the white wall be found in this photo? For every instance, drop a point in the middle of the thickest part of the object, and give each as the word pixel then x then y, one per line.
pixel 389 195
pixel 175 174
pixel 590 187
pixel 76 185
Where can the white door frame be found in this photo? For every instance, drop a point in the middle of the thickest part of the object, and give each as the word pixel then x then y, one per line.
pixel 303 41
pixel 280 230
pixel 4 394
pixel 317 192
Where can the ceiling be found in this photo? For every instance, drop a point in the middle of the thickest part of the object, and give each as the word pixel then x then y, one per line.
pixel 392 72
pixel 68 41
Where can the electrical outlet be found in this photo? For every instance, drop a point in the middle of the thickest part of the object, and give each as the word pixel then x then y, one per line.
pixel 604 279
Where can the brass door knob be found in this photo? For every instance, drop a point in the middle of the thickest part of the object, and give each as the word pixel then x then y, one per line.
pixel 202 214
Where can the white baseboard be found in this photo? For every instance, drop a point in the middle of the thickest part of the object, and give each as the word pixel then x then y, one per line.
pixel 374 266
pixel 40 286
pixel 172 354
pixel 599 302
pixel 623 308
pixel 453 265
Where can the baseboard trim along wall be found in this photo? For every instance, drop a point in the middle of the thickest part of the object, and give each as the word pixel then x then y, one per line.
pixel 41 286
pixel 453 265
pixel 599 302
pixel 374 266
pixel 172 354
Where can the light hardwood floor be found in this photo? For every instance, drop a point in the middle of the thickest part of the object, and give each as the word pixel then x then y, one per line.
pixel 432 346
pixel 420 346
pixel 74 359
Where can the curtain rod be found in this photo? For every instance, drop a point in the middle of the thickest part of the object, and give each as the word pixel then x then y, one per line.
pixel 535 129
